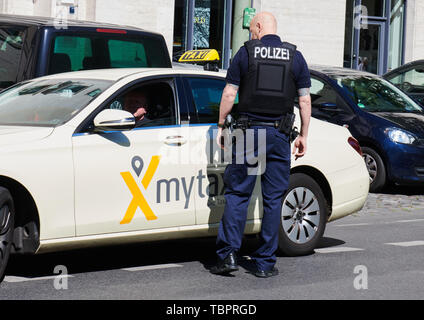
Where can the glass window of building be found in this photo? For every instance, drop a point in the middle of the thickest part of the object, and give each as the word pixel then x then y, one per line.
pixel 397 17
pixel 208 27
pixel 180 29
pixel 374 35
pixel 205 31
pixel 373 8
pixel 348 47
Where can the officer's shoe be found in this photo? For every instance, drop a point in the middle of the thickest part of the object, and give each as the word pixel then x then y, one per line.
pixel 266 274
pixel 226 266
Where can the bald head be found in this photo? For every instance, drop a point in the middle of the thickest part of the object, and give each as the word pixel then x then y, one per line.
pixel 262 24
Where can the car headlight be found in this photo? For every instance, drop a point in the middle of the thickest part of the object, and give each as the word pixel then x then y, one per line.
pixel 400 136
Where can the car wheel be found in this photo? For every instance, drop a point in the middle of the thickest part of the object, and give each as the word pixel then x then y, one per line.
pixel 7 216
pixel 304 216
pixel 376 169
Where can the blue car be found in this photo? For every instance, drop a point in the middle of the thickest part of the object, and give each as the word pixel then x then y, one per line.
pixel 388 124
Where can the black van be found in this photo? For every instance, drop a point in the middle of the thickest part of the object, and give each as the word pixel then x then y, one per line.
pixel 32 47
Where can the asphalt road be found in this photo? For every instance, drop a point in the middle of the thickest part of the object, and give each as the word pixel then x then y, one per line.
pixel 377 253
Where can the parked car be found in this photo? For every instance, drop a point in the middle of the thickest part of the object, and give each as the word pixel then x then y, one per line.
pixel 388 124
pixel 76 172
pixel 32 47
pixel 409 78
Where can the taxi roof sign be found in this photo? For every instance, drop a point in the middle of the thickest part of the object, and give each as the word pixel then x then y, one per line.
pixel 208 55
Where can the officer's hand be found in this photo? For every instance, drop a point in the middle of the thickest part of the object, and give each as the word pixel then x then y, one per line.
pixel 219 139
pixel 299 149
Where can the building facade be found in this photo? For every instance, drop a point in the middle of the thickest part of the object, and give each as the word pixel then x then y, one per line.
pixel 372 35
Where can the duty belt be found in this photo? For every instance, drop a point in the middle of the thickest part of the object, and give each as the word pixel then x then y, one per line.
pixel 284 126
pixel 274 124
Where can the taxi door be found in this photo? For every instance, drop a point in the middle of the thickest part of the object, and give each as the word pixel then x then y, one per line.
pixel 204 94
pixel 132 180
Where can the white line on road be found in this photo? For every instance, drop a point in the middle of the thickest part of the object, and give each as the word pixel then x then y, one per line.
pixel 353 225
pixel 378 223
pixel 337 250
pixel 13 279
pixel 155 267
pixel 407 221
pixel 407 244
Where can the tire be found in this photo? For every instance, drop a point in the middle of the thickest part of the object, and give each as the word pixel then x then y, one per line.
pixel 304 215
pixel 376 169
pixel 7 221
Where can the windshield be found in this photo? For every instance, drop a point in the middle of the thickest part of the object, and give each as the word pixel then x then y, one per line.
pixel 11 40
pixel 374 94
pixel 47 102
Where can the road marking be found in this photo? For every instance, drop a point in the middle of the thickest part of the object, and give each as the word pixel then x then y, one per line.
pixel 408 221
pixel 156 267
pixel 407 244
pixel 379 223
pixel 13 279
pixel 337 250
pixel 353 225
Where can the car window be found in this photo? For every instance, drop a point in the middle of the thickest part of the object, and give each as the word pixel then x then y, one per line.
pixel 103 51
pixel 207 94
pixel 11 41
pixel 47 102
pixel 375 94
pixel 151 104
pixel 322 93
pixel 411 81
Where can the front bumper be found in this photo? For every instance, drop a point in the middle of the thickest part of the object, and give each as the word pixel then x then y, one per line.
pixel 405 164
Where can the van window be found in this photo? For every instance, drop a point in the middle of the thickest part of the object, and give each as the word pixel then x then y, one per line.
pixel 103 51
pixel 127 54
pixel 11 41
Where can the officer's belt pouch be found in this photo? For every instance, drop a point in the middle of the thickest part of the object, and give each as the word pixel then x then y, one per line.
pixel 286 124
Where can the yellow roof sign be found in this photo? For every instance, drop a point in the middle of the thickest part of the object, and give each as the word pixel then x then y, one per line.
pixel 200 56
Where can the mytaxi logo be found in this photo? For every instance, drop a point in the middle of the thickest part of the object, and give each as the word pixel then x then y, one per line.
pixel 176 190
pixel 139 201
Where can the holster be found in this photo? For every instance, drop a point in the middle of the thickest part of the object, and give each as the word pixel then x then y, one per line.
pixel 286 124
pixel 242 123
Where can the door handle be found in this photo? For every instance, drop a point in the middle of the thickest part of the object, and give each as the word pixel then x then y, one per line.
pixel 175 141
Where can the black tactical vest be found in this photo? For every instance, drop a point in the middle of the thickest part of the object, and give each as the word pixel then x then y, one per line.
pixel 269 86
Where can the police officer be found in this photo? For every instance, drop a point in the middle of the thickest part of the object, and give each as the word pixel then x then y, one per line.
pixel 269 75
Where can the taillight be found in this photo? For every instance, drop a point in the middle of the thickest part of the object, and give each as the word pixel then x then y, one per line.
pixel 112 31
pixel 355 145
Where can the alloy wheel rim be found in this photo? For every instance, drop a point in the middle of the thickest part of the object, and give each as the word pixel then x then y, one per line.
pixel 300 215
pixel 371 167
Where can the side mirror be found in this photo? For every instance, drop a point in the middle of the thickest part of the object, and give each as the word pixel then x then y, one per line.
pixel 114 120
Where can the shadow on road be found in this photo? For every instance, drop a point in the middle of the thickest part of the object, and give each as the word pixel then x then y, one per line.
pixel 329 243
pixel 134 255
pixel 118 257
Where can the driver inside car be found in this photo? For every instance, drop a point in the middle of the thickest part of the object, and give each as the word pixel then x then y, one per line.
pixel 137 103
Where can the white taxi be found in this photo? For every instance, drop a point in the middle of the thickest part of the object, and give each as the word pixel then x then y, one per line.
pixel 77 170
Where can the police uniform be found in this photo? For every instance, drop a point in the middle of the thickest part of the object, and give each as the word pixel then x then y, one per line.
pixel 268 73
